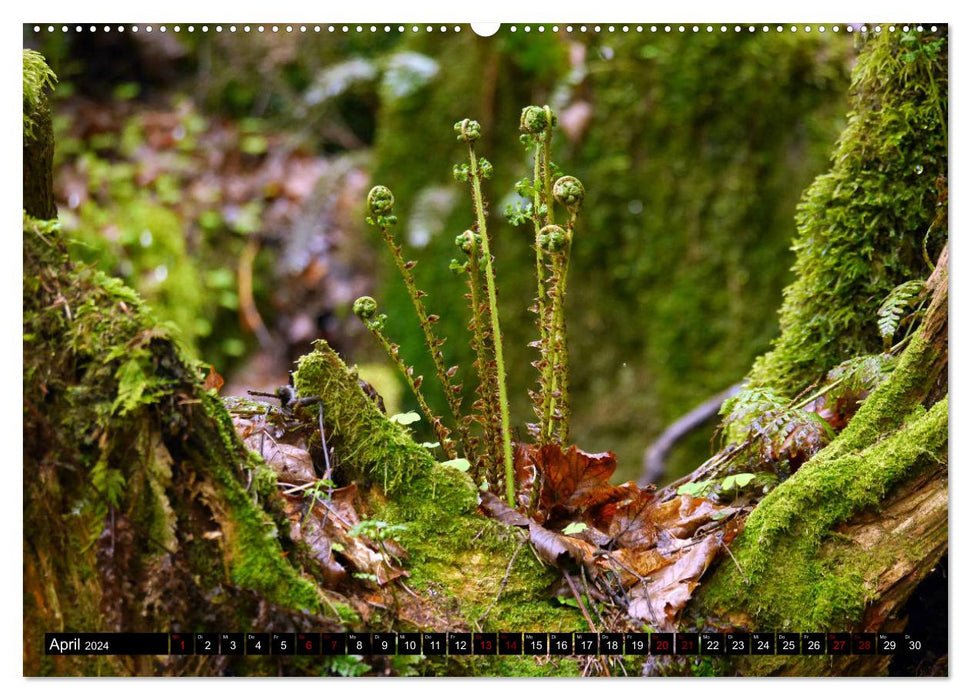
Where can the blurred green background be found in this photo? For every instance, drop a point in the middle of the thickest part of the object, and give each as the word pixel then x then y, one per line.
pixel 224 173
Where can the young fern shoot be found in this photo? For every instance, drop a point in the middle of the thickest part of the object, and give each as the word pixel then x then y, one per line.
pixel 366 309
pixel 468 131
pixel 552 244
pixel 486 406
pixel 491 454
pixel 568 192
pixel 380 204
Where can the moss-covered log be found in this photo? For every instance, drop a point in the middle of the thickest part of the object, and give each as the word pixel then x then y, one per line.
pixel 450 545
pixel 867 224
pixel 38 144
pixel 842 544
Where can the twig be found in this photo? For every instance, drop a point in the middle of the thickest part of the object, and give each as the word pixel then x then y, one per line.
pixel 737 565
pixel 247 304
pixel 657 452
pixel 576 594
pixel 505 580
pixel 328 473
pixel 586 615
pixel 586 589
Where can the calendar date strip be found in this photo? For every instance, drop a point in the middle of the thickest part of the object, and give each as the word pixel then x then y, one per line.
pixel 479 643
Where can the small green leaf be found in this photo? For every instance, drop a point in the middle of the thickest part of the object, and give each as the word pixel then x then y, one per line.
pixel 461 464
pixel 698 489
pixel 737 481
pixel 574 528
pixel 405 418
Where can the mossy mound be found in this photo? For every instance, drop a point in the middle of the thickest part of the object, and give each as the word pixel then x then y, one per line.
pixel 452 549
pixel 874 220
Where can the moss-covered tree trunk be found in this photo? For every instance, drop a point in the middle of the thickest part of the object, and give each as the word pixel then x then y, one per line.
pixel 842 544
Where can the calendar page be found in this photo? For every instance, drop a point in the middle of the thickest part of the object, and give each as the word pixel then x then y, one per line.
pixel 551 349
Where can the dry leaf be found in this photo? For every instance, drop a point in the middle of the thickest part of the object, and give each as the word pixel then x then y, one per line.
pixel 292 464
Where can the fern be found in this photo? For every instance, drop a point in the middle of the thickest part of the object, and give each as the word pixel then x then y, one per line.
pixel 745 408
pixel 892 308
pixel 772 430
pixel 861 374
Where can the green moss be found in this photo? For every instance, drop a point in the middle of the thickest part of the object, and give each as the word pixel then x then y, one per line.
pixel 149 248
pixel 862 231
pixel 862 225
pixel 794 582
pixel 253 550
pixel 38 77
pixel 527 666
pixel 379 450
pixel 109 419
pixel 450 547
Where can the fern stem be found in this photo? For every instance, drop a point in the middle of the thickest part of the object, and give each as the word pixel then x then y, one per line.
pixel 408 372
pixel 496 333
pixel 561 370
pixel 544 408
pixel 432 341
pixel 480 345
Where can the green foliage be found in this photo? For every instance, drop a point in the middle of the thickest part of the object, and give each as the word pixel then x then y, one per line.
pixel 727 488
pixel 892 308
pixel 745 408
pixel 134 222
pixel 771 432
pixel 574 528
pixel 377 530
pixel 861 374
pixel 135 383
pixel 461 464
pixel 697 489
pixel 347 666
pixel 404 665
pixel 37 77
pixel 736 481
pixel 109 483
pixel 405 418
pixel 862 226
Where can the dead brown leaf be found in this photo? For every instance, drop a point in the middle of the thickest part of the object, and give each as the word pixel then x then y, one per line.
pixel 213 380
pixel 661 599
pixel 292 464
pixel 657 551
